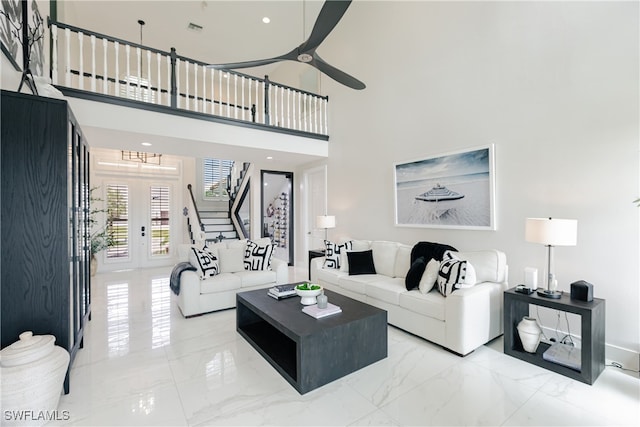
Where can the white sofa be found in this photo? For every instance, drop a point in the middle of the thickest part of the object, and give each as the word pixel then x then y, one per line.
pixel 460 322
pixel 202 295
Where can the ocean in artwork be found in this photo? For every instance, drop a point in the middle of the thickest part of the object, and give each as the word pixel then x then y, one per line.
pixel 467 174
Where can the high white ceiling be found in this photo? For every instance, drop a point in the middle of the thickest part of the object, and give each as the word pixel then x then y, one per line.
pixel 231 30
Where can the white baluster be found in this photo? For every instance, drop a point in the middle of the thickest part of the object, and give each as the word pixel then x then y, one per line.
pixel 228 76
pixel 149 96
pixel 117 75
pixel 213 85
pixel 93 63
pixel 178 97
pixel 67 71
pixel 81 56
pixel 275 121
pixel 139 65
pixel 220 92
pixel 281 122
pixel 235 96
pixel 249 91
pixel 326 126
pixel 293 110
pixel 315 114
pixel 186 78
pixel 159 78
pixel 169 80
pixel 105 69
pixel 127 50
pixel 257 101
pixel 54 54
pixel 300 111
pixel 195 85
pixel 204 89
pixel 288 108
pixel 306 111
pixel 242 97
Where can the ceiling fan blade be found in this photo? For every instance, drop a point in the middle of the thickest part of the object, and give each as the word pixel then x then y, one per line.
pixel 329 16
pixel 247 64
pixel 337 75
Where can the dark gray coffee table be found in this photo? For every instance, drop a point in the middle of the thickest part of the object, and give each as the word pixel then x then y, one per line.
pixel 310 352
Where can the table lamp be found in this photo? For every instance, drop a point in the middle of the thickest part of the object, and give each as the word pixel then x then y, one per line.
pixel 551 232
pixel 326 222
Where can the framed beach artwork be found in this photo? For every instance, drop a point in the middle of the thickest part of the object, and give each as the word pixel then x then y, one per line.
pixel 451 190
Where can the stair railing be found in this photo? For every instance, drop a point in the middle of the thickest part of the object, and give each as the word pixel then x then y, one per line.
pixel 194 222
pixel 91 62
pixel 239 193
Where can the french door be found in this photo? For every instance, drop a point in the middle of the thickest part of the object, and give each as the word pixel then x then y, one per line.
pixel 315 205
pixel 142 223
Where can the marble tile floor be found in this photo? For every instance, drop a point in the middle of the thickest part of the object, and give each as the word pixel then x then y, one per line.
pixel 144 364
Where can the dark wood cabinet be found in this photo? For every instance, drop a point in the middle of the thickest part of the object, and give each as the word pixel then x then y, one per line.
pixel 45 233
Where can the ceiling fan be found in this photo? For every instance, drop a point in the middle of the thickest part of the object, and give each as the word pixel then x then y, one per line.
pixel 329 16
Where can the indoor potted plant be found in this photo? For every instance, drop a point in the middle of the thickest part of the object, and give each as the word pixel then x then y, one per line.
pixel 101 234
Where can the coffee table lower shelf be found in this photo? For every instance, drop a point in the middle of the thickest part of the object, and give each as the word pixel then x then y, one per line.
pixel 308 352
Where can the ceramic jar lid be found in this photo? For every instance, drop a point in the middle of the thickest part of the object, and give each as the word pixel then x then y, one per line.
pixel 27 349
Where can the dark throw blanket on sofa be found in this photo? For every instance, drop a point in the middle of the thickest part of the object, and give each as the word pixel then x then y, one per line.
pixel 174 281
pixel 421 254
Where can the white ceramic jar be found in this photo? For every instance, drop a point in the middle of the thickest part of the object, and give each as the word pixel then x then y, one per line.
pixel 33 371
pixel 529 333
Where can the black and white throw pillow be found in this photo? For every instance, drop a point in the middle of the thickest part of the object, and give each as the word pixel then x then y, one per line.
pixel 258 257
pixel 451 271
pixel 332 253
pixel 205 262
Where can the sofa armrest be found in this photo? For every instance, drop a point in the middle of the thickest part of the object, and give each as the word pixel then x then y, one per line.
pixel 189 298
pixel 473 316
pixel 282 270
pixel 316 264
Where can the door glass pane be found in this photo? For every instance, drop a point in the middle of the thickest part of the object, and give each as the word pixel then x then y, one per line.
pixel 160 230
pixel 118 222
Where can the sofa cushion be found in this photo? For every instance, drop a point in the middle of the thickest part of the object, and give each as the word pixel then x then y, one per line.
pixel 451 271
pixel 387 290
pixel 357 284
pixel 384 257
pixel 206 263
pixel 231 260
pixel 361 262
pixel 220 283
pixel 431 304
pixel 332 253
pixel 430 276
pixel 256 278
pixel 356 246
pixel 331 275
pixel 257 256
pixel 490 265
pixel 403 261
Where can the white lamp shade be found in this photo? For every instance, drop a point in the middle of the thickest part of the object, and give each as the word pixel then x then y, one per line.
pixel 552 231
pixel 325 221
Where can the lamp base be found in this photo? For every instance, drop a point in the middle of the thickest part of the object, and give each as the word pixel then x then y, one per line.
pixel 545 293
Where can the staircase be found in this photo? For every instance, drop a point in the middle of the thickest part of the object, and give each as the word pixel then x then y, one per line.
pixel 217 225
pixel 214 225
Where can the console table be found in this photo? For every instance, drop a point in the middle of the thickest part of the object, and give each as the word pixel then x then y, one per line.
pixel 516 306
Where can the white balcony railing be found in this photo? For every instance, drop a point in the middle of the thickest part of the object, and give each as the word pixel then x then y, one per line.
pixel 92 62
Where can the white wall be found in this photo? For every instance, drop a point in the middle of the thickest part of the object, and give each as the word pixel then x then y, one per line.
pixel 554 85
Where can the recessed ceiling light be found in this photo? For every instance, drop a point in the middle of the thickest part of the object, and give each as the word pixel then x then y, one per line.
pixel 147 144
pixel 266 20
pixel 269 158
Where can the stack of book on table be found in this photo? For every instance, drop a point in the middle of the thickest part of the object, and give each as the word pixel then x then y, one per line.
pixel 282 291
pixel 314 311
